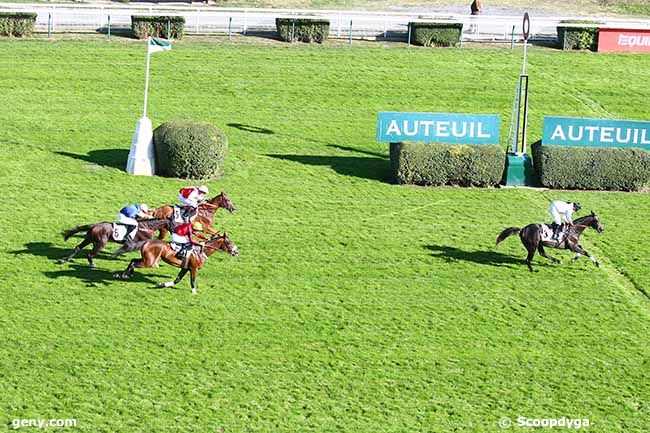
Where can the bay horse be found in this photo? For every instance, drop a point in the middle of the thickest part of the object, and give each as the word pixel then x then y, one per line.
pixel 537 236
pixel 207 210
pixel 99 234
pixel 155 250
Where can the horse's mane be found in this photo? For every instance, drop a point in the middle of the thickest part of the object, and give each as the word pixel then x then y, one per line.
pixel 583 218
pixel 153 224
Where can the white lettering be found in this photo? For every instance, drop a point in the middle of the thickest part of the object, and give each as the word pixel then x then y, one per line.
pixel 416 125
pixel 644 140
pixel 622 40
pixel 442 128
pixel 456 133
pixel 592 130
pixel 606 134
pixel 482 134
pixel 558 133
pixel 574 137
pixel 636 136
pixel 619 137
pixel 427 125
pixel 392 127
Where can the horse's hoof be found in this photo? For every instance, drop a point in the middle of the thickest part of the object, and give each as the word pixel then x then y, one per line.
pixel 60 261
pixel 118 276
pixel 597 265
pixel 194 292
pixel 160 285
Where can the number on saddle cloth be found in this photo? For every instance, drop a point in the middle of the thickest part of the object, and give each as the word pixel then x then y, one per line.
pixel 121 231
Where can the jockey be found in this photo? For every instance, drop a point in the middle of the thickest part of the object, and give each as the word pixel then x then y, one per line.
pixel 182 236
pixel 128 215
pixel 560 211
pixel 191 197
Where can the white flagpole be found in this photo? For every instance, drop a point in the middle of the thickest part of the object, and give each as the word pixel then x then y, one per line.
pixel 146 80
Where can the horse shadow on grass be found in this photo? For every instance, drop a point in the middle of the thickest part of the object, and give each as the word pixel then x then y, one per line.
pixel 93 277
pixel 113 158
pixel 481 257
pixel 52 252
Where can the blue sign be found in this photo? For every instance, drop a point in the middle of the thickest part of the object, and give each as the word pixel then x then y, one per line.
pixel 394 127
pixel 572 131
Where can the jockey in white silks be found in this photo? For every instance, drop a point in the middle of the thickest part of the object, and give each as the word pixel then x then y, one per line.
pixel 562 211
pixel 191 197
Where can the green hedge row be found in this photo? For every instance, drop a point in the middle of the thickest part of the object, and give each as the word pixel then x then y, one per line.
pixel 18 24
pixel 436 34
pixel 447 164
pixel 190 150
pixel 158 26
pixel 574 36
pixel 302 29
pixel 567 167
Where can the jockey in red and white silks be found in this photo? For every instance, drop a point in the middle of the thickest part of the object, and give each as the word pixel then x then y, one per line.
pixel 192 195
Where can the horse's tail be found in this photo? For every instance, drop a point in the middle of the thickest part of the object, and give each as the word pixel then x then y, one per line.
pixel 68 233
pixel 130 246
pixel 504 234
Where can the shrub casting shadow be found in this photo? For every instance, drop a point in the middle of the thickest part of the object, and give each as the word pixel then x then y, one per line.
pixel 114 158
pixel 251 128
pixel 491 258
pixel 365 168
pixel 46 249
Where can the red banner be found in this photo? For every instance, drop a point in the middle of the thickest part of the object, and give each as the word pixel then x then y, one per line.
pixel 624 40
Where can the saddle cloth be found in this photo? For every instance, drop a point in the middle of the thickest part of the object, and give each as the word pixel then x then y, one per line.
pixel 547 233
pixel 119 232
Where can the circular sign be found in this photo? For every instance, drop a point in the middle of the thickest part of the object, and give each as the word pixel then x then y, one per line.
pixel 526 27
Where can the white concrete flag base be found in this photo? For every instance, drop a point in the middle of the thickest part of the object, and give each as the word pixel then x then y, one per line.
pixel 141 156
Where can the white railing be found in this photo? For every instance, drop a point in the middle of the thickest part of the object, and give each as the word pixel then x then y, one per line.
pixel 365 24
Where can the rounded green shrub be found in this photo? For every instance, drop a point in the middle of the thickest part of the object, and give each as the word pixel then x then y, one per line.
pixel 303 29
pixel 190 150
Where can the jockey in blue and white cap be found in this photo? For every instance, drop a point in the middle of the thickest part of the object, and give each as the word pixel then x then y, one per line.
pixel 129 213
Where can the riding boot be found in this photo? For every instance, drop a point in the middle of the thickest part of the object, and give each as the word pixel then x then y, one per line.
pixel 556 231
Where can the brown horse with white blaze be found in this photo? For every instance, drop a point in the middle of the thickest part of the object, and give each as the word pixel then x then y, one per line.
pixel 207 210
pixel 155 250
pixel 532 236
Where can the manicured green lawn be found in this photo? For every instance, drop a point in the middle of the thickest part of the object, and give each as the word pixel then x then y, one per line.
pixel 355 305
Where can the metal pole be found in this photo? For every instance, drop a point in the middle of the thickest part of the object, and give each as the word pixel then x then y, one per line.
pixel 350 40
pixel 523 72
pixel 512 40
pixel 169 28
pixel 409 36
pixel 109 27
pixel 146 80
pixel 293 30
pixel 523 129
pixel 230 28
pixel 49 25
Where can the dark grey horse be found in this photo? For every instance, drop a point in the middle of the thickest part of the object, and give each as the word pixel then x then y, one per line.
pixel 532 236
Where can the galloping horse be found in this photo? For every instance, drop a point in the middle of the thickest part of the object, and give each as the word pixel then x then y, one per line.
pixel 100 234
pixel 152 251
pixel 537 236
pixel 207 210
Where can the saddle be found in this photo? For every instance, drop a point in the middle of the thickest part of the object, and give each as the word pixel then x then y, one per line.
pixel 547 233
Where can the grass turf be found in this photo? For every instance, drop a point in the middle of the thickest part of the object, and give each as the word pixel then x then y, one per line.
pixel 356 305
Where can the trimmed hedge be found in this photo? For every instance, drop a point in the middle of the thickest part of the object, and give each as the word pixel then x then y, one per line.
pixel 447 164
pixel 573 36
pixel 438 34
pixel 145 26
pixel 600 168
pixel 190 150
pixel 18 24
pixel 303 29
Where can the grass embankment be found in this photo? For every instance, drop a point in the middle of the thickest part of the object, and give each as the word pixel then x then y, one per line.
pixel 356 305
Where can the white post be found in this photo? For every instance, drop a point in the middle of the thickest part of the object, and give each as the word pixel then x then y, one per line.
pixel 146 79
pixel 141 155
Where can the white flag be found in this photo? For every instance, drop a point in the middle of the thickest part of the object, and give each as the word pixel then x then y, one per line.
pixel 156 45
